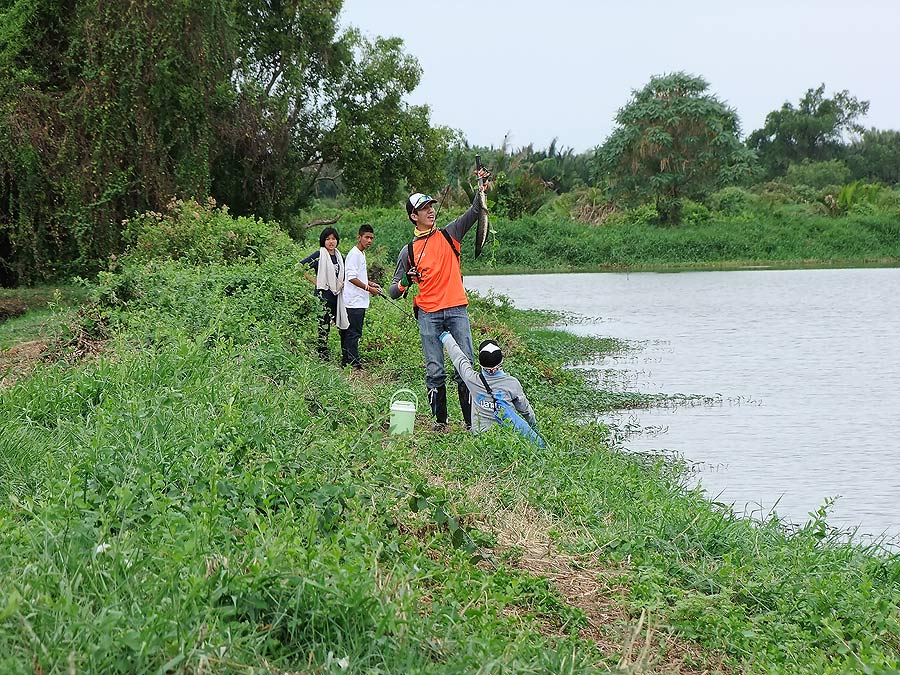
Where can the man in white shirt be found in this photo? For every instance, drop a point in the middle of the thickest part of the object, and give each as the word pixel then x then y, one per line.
pixel 356 295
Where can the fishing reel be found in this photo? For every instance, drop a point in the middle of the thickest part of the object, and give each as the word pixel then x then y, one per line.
pixel 478 165
pixel 413 276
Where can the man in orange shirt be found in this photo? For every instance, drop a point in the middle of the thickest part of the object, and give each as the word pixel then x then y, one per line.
pixel 434 263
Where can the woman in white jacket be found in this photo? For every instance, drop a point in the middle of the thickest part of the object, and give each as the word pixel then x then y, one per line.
pixel 328 264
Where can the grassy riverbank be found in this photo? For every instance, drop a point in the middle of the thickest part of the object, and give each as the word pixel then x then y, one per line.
pixel 777 238
pixel 185 488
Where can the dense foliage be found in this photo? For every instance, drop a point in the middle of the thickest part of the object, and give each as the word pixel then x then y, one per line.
pixel 524 179
pixel 205 495
pixel 112 108
pixel 672 140
pixel 812 131
pixel 875 156
pixel 776 224
pixel 676 146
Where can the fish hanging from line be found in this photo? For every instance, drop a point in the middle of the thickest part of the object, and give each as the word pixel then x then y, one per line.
pixel 484 226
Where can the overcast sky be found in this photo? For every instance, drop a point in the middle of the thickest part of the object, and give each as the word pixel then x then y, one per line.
pixel 545 69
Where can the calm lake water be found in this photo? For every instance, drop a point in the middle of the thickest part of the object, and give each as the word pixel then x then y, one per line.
pixel 800 368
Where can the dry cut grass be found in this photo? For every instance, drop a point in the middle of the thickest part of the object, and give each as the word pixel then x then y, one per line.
pixel 17 361
pixel 591 584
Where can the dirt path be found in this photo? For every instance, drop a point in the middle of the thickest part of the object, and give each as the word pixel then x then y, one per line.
pixel 592 583
pixel 18 360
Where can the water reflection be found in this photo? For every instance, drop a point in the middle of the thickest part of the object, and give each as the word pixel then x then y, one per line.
pixel 796 369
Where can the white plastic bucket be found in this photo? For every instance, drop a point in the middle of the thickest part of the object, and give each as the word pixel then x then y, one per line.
pixel 403 413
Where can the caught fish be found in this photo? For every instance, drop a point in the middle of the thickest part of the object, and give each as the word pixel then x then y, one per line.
pixel 484 227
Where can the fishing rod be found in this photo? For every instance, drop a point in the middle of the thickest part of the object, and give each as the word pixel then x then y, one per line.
pixel 394 303
pixel 441 203
pixel 434 227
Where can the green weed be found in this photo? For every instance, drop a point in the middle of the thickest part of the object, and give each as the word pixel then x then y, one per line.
pixel 206 495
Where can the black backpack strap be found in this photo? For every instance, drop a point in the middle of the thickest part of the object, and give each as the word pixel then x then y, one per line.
pixel 409 254
pixel 490 392
pixel 411 264
pixel 486 385
pixel 450 241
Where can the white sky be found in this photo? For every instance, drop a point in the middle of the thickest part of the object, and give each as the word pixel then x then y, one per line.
pixel 545 69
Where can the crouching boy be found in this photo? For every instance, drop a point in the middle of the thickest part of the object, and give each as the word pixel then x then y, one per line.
pixel 496 396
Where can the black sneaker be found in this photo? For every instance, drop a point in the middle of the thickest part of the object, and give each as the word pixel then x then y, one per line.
pixel 440 427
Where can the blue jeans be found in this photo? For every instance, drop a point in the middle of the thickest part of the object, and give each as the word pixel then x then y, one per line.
pixel 431 325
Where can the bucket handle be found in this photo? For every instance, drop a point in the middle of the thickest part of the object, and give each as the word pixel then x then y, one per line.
pixel 406 391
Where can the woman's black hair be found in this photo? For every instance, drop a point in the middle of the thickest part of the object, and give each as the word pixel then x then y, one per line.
pixel 325 233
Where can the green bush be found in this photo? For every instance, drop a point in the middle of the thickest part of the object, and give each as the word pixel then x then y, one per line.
pixel 779 193
pixel 591 206
pixel 818 174
pixel 863 208
pixel 859 198
pixel 833 190
pixel 518 195
pixel 693 213
pixel 201 234
pixel 888 202
pixel 645 214
pixel 799 212
pixel 733 201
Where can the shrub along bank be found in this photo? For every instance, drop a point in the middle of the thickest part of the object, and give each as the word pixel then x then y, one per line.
pixel 205 495
pixel 742 229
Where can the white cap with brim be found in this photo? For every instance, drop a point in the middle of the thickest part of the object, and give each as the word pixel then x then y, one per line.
pixel 417 201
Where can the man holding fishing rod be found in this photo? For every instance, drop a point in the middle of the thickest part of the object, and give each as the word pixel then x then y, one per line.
pixel 432 260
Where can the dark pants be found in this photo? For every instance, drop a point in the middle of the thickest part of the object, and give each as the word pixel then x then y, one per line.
pixel 350 337
pixel 326 318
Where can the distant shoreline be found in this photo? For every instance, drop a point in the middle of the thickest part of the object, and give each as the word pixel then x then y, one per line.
pixel 736 266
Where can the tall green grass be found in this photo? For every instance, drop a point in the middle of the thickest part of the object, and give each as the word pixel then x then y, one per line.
pixel 28 313
pixel 546 242
pixel 207 496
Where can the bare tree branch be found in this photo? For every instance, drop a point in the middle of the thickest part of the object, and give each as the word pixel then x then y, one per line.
pixel 325 221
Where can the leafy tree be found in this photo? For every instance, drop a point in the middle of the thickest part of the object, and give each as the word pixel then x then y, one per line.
pixel 818 174
pixel 316 106
pixel 876 156
pixel 108 108
pixel 814 130
pixel 673 140
pixel 385 148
